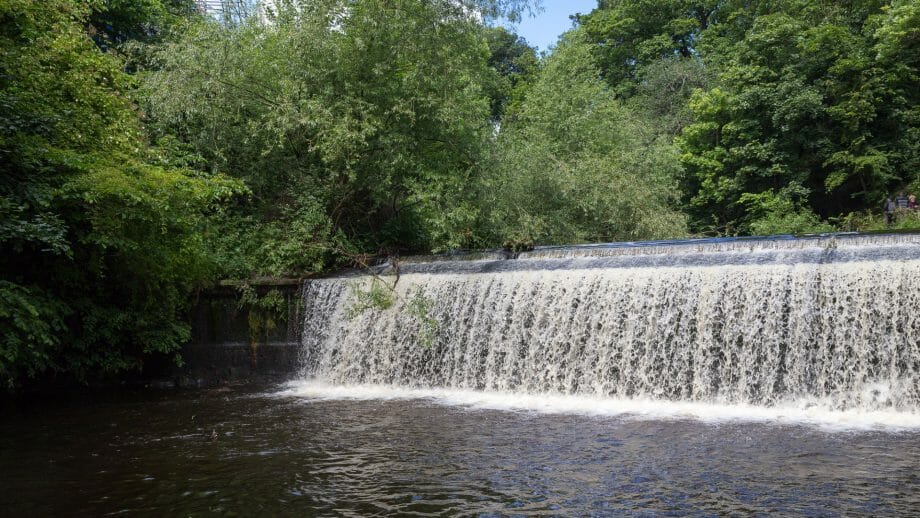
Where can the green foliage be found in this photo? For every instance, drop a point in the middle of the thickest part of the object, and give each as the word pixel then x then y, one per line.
pixel 100 248
pixel 789 94
pixel 813 95
pixel 420 306
pixel 272 301
pixel 627 35
pixel 31 327
pixel 370 294
pixel 662 96
pixel 363 126
pixel 375 293
pixel 116 22
pixel 576 165
pixel 515 64
pixel 264 311
pixel 781 213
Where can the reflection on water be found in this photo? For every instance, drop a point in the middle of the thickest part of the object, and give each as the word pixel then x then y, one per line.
pixel 254 453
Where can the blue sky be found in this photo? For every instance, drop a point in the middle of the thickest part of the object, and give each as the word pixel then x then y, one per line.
pixel 542 30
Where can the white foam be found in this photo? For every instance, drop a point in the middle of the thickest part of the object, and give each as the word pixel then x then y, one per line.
pixel 814 413
pixel 839 335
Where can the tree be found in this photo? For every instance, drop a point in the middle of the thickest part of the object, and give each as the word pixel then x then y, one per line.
pixel 113 23
pixel 100 245
pixel 576 165
pixel 356 129
pixel 627 35
pixel 662 95
pixel 515 63
pixel 805 111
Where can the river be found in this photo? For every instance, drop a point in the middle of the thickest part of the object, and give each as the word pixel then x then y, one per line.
pixel 293 449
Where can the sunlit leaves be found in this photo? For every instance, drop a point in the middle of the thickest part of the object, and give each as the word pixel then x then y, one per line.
pixel 366 122
pixel 805 100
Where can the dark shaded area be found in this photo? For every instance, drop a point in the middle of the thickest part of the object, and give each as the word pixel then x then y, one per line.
pixel 233 341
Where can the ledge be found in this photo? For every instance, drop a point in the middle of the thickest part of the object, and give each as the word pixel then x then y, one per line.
pixel 261 281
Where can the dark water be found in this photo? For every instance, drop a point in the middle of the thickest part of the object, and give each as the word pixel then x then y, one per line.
pixel 242 452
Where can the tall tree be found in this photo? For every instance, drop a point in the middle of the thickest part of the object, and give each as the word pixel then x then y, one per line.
pixel 515 63
pixel 355 127
pixel 809 116
pixel 629 34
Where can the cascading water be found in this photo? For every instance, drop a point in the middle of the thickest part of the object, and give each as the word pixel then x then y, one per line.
pixel 829 322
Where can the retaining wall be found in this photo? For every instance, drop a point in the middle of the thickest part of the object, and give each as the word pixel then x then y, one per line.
pixel 234 341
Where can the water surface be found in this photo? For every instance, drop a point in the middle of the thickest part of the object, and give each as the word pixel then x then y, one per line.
pixel 250 451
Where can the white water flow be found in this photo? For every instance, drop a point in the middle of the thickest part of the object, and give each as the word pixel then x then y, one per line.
pixel 822 330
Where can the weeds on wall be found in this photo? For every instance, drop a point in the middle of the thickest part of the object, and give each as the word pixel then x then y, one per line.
pixel 378 294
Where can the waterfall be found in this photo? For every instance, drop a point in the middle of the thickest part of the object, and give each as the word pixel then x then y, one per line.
pixel 830 321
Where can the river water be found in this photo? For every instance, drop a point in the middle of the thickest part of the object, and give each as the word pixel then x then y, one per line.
pixel 299 449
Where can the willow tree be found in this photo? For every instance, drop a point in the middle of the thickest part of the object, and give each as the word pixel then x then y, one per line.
pixel 357 124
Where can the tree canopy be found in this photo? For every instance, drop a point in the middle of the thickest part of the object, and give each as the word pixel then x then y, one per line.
pixel 577 165
pixel 800 112
pixel 370 124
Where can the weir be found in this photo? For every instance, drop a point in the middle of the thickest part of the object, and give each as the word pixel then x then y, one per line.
pixel 830 322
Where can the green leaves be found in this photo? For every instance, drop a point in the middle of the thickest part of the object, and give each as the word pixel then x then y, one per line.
pixel 783 212
pixel 515 64
pixel 821 95
pixel 99 245
pixel 629 34
pixel 366 124
pixel 31 327
pixel 576 165
pixel 802 102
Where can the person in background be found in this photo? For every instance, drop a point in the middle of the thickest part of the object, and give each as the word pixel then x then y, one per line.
pixel 890 207
pixel 901 200
pixel 912 202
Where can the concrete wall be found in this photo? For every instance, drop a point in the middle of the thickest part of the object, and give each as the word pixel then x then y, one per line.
pixel 233 341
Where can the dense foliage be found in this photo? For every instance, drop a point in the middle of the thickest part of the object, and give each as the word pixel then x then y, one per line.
pixel 354 132
pixel 809 114
pixel 147 149
pixel 100 244
pixel 576 165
